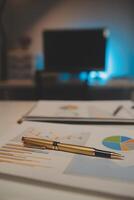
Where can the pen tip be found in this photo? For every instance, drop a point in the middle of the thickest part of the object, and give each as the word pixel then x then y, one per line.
pixel 118 157
pixel 117 154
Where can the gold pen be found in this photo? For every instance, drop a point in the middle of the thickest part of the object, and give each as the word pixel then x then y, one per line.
pixel 70 148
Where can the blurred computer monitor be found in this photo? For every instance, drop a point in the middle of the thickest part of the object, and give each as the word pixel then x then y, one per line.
pixel 74 50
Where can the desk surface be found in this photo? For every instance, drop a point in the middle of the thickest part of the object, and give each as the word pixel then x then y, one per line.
pixel 10 112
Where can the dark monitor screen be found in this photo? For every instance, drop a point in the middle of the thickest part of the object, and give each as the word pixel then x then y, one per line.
pixel 74 50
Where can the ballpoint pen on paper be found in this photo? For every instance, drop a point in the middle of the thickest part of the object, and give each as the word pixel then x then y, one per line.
pixel 71 148
pixel 117 110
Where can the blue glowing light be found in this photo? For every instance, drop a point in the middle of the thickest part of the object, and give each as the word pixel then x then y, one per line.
pixel 39 62
pixel 98 78
pixel 103 75
pixel 117 56
pixel 92 74
pixel 83 76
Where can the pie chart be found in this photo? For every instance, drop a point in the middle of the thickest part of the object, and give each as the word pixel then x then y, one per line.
pixel 120 143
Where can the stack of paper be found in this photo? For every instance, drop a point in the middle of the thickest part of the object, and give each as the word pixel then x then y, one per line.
pixel 81 112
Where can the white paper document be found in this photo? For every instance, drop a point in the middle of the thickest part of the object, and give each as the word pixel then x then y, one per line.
pixel 82 111
pixel 72 170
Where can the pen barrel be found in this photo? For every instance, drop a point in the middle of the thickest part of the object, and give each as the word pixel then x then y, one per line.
pixel 76 149
pixel 57 146
pixel 38 143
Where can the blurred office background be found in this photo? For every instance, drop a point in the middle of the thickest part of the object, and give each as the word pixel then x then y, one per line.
pixel 24 22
